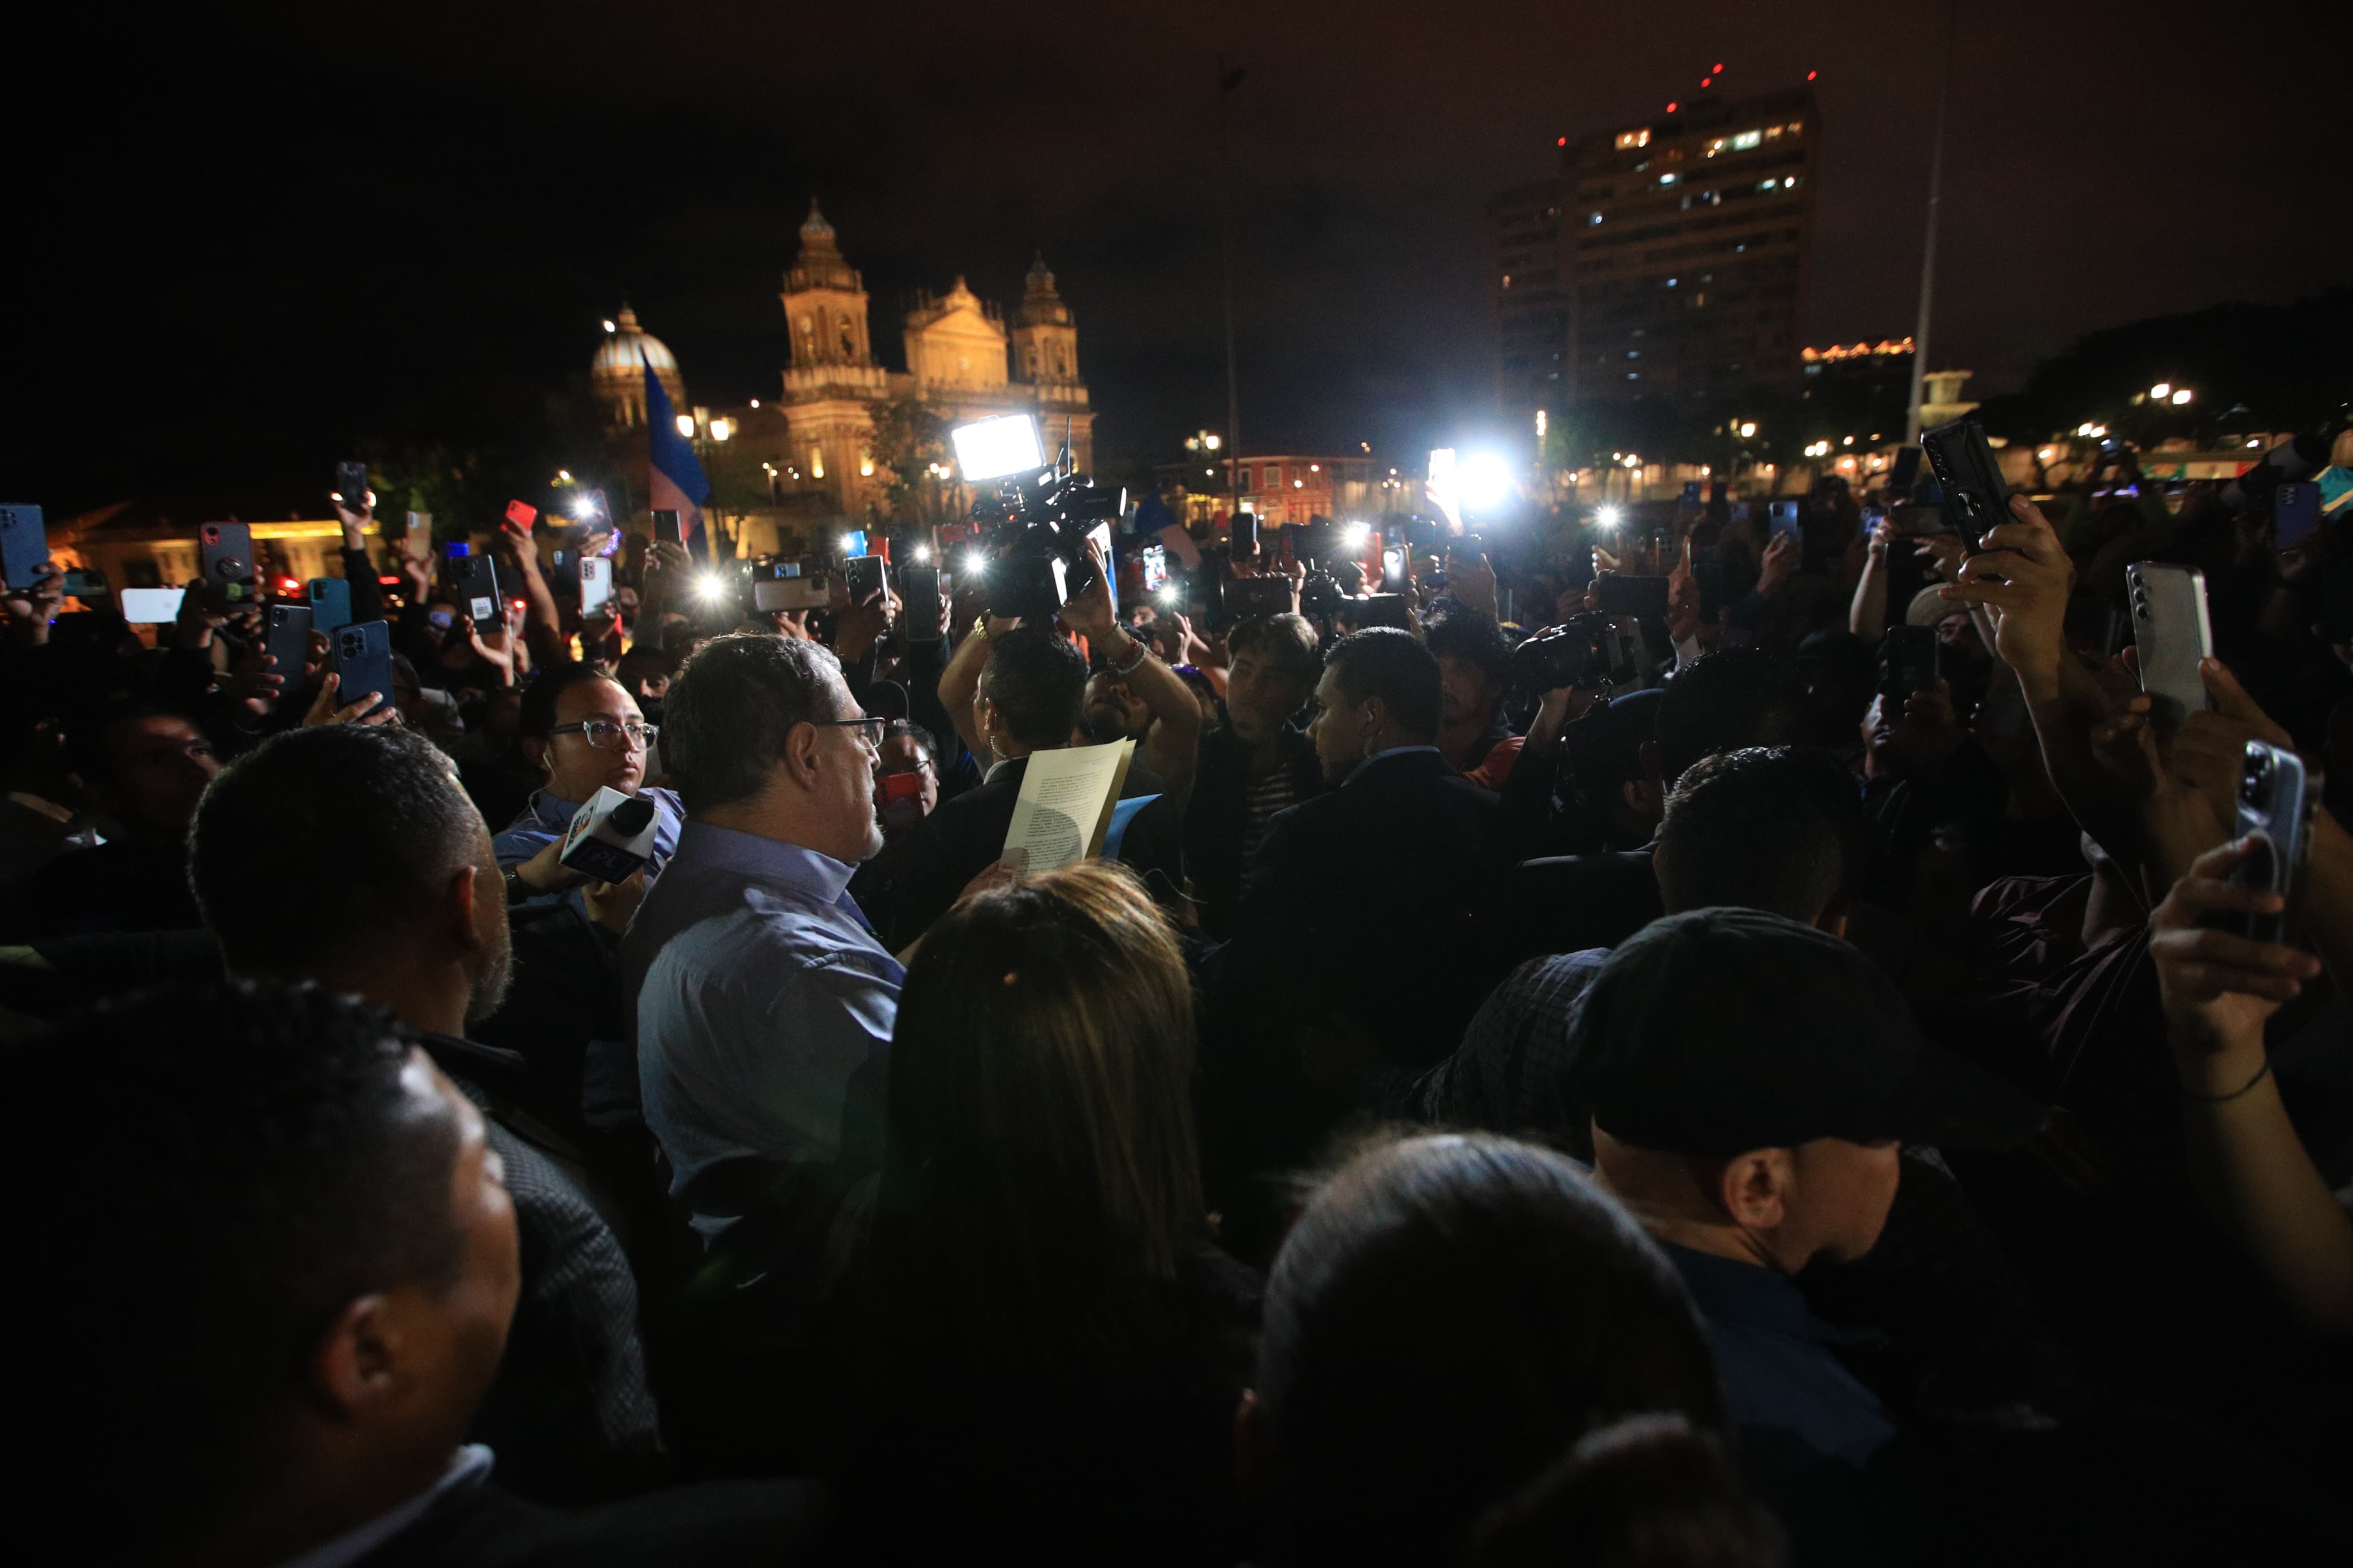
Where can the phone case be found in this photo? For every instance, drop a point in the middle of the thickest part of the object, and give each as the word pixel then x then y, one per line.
pixel 225 552
pixel 920 588
pixel 596 585
pixel 331 603
pixel 362 656
pixel 1644 598
pixel 24 544
pixel 288 640
pixel 1975 497
pixel 350 484
pixel 666 527
pixel 474 585
pixel 2274 806
pixel 864 575
pixel 1910 661
pixel 2172 634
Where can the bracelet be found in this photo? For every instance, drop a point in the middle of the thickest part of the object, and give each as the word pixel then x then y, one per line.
pixel 2262 1073
pixel 1143 652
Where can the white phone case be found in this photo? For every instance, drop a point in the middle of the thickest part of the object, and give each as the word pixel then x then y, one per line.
pixel 2172 635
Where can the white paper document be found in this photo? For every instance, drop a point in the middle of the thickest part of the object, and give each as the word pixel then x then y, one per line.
pixel 1065 804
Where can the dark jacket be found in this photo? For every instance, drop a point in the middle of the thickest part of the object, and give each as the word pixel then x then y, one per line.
pixel 569 1414
pixel 919 874
pixel 1567 903
pixel 1217 816
pixel 719 1524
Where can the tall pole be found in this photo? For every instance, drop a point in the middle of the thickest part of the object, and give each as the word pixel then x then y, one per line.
pixel 1227 81
pixel 1928 252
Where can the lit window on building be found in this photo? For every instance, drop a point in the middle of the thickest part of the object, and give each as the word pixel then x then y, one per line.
pixel 1795 126
pixel 1716 146
pixel 1507 279
pixel 1633 139
pixel 1666 179
pixel 1746 139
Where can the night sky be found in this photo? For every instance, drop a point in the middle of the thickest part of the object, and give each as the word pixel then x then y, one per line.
pixel 245 247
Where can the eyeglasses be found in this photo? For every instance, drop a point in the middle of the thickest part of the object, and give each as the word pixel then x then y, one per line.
pixel 608 736
pixel 870 730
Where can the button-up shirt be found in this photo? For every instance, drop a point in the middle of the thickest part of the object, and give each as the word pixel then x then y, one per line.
pixel 546 818
pixel 763 1007
pixel 1775 1356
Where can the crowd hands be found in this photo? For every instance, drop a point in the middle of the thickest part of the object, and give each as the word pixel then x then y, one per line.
pixel 1726 1093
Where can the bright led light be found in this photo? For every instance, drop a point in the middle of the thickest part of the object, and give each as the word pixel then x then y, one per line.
pixel 2160 392
pixel 923 553
pixel 1167 595
pixel 975 562
pixel 992 448
pixel 849 542
pixel 1608 516
pixel 686 424
pixel 1213 442
pixel 711 586
pixel 609 326
pixel 584 505
pixel 1747 428
pixel 1354 535
pixel 2181 397
pixel 721 429
pixel 1483 480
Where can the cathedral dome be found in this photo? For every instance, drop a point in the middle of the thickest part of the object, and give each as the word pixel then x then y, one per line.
pixel 618 370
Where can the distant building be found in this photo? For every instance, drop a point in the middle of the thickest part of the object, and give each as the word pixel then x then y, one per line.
pixel 1290 489
pixel 1683 248
pixel 815 443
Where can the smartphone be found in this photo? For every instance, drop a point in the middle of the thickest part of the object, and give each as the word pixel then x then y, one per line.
pixel 287 639
pixel 1395 572
pixel 473 584
pixel 1156 568
pixel 666 530
pixel 1248 597
pixel 351 485
pixel 151 607
pixel 522 515
pixel 1642 597
pixel 2172 633
pixel 225 562
pixel 81 584
pixel 596 584
pixel 1241 534
pixel 2295 514
pixel 417 540
pixel 1910 660
pixel 853 544
pixel 865 574
pixel 809 592
pixel 1379 610
pixel 919 588
pixel 1905 473
pixel 1100 537
pixel 1975 498
pixel 331 603
pixel 24 544
pixel 1872 516
pixel 901 799
pixel 1785 520
pixel 2274 806
pixel 363 661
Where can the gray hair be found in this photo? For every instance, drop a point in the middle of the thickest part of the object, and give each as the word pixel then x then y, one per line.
pixel 726 717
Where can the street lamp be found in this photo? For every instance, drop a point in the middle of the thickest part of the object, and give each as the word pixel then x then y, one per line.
pixel 2160 392
pixel 1747 428
pixel 2180 397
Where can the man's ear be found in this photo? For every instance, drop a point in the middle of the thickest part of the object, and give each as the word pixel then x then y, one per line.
pixel 1649 753
pixel 458 896
pixel 800 755
pixel 535 751
pixel 1755 1187
pixel 355 1367
pixel 1642 798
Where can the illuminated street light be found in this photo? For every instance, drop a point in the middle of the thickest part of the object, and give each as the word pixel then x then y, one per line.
pixel 609 326
pixel 686 425
pixel 2181 397
pixel 2160 392
pixel 721 429
pixel 1747 428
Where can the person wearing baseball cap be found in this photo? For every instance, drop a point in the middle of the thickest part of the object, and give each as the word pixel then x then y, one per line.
pixel 1753 1081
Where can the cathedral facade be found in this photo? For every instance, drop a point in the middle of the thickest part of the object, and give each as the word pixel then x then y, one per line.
pixel 814 445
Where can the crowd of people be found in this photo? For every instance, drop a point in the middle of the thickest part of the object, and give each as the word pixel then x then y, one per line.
pixel 1735 1100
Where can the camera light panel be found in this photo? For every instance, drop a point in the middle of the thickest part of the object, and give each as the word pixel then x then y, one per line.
pixel 992 448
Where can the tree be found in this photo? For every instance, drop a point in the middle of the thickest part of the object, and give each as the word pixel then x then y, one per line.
pixel 909 445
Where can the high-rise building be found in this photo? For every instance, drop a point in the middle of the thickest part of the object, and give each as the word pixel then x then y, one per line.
pixel 1682 260
pixel 1531 309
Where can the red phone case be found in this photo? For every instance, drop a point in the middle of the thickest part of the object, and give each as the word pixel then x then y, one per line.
pixel 520 513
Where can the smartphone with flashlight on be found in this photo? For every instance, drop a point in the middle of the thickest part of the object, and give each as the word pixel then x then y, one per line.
pixel 1395 574
pixel 1156 568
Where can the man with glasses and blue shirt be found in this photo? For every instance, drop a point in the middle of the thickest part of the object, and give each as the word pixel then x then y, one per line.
pixel 763 1003
pixel 584 731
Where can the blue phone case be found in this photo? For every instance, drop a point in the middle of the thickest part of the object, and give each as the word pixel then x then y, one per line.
pixel 331 603
pixel 24 544
pixel 363 652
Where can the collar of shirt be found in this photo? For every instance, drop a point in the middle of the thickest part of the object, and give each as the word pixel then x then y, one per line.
pixel 552 814
pixel 1749 1294
pixel 702 847
pixel 1384 756
pixel 996 768
pixel 468 1466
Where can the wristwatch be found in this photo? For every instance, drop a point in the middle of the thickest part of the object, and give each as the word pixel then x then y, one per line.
pixel 517 888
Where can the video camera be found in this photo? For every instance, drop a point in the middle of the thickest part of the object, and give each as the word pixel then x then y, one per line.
pixel 1033 527
pixel 1583 651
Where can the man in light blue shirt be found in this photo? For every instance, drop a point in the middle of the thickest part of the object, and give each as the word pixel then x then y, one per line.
pixel 763 1003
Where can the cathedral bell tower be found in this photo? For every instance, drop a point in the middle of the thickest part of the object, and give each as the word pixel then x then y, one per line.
pixel 824 303
pixel 1045 339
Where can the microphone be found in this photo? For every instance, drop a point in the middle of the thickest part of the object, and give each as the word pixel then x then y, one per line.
pixel 611 835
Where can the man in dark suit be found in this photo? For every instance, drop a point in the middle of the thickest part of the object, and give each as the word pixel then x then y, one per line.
pixel 1354 955
pixel 1030 695
pixel 271 1346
